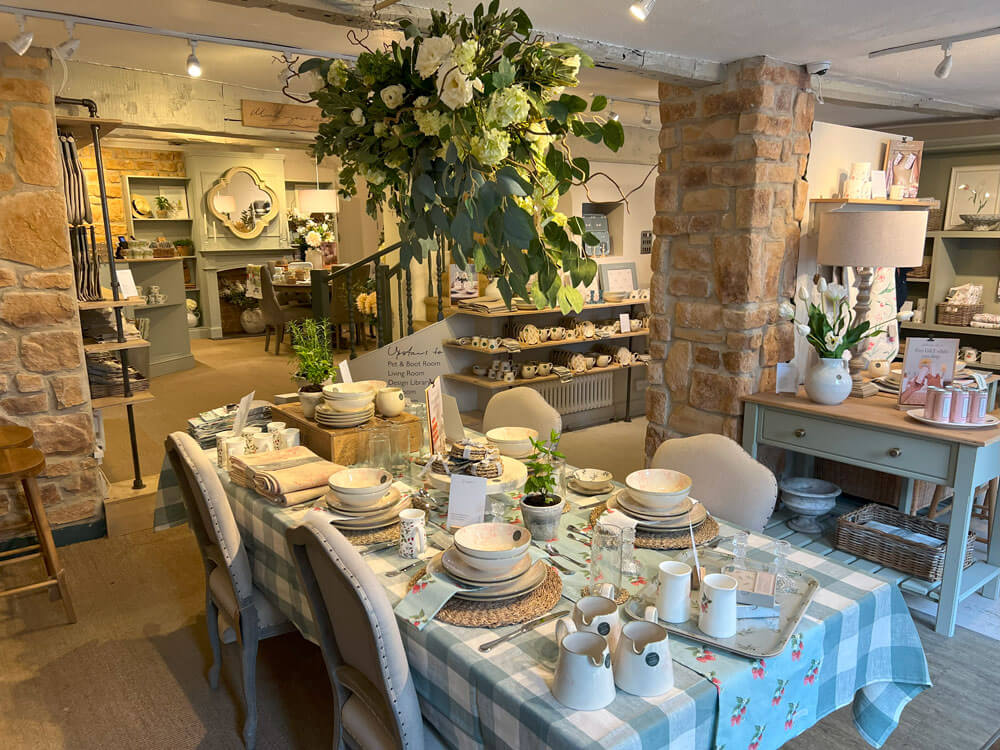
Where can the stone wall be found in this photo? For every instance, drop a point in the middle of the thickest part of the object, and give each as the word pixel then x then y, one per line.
pixel 43 382
pixel 729 201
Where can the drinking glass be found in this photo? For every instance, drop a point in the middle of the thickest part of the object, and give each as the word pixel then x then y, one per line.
pixel 741 540
pixel 606 557
pixel 399 439
pixel 559 474
pixel 782 583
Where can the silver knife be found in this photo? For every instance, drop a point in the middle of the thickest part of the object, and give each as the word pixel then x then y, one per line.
pixel 379 547
pixel 531 624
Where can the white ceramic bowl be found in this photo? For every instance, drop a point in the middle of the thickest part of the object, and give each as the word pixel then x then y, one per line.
pixel 350 405
pixel 615 296
pixel 493 541
pixel 513 441
pixel 345 391
pixel 592 479
pixel 360 488
pixel 489 565
pixel 658 489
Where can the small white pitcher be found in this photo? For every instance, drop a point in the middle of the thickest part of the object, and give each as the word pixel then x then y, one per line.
pixel 390 402
pixel 642 663
pixel 412 533
pixel 718 605
pixel 598 614
pixel 674 598
pixel 583 680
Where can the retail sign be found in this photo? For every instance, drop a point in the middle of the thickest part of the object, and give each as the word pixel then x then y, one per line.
pixel 435 417
pixel 257 114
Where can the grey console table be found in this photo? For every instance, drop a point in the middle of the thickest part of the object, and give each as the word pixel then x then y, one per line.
pixel 874 434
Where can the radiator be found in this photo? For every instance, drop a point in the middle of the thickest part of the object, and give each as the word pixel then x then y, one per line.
pixel 580 394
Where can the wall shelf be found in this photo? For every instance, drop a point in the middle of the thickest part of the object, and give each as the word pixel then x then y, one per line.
pixel 493 385
pixel 80 127
pixel 115 346
pixel 105 304
pixel 549 344
pixel 544 311
pixel 157 307
pixel 941 328
pixel 142 219
pixel 108 402
pixel 918 202
pixel 963 234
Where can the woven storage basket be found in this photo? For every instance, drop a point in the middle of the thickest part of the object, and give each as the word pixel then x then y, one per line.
pixel 908 557
pixel 935 219
pixel 874 486
pixel 956 315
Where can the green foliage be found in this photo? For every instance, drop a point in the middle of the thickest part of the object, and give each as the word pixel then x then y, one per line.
pixel 235 293
pixel 464 134
pixel 541 473
pixel 312 351
pixel 162 203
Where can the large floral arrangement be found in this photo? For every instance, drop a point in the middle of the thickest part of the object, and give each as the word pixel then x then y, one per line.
pixel 462 130
pixel 308 233
pixel 235 293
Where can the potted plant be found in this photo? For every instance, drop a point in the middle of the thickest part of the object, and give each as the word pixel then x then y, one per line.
pixel 184 247
pixel 314 360
pixel 163 207
pixel 251 316
pixel 193 312
pixel 541 507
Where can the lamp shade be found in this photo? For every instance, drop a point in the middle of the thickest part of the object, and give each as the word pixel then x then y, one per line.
pixel 312 201
pixel 881 239
pixel 225 204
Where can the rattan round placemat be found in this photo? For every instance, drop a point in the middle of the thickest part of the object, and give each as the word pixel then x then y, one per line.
pixel 623 595
pixel 469 614
pixel 361 538
pixel 706 532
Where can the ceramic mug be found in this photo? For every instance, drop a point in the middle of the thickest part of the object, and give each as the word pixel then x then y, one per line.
pixel 558 333
pixel 247 434
pixel 603 360
pixel 674 596
pixel 969 354
pixel 235 446
pixel 544 334
pixel 583 680
pixel 390 401
pixel 597 614
pixel 221 454
pixel 263 442
pixel 642 664
pixel 290 437
pixel 590 361
pixel 479 370
pixel 718 606
pixel 544 368
pixel 477 342
pixel 494 343
pixel 507 365
pixel 508 376
pixel 528 370
pixel 412 533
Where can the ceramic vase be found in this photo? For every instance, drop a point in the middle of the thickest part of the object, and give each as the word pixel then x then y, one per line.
pixel 810 498
pixel 252 320
pixel 828 381
pixel 542 520
pixel 717 616
pixel 192 320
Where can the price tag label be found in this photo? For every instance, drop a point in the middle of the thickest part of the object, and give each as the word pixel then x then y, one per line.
pixel 466 500
pixel 626 323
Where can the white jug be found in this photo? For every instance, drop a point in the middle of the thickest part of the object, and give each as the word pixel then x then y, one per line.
pixel 642 664
pixel 718 605
pixel 674 598
pixel 583 680
pixel 390 401
pixel 598 614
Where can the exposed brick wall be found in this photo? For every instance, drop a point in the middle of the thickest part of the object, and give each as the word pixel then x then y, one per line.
pixel 729 201
pixel 119 162
pixel 43 383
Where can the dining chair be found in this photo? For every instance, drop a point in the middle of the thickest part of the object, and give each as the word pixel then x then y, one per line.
pixel 522 407
pixel 454 429
pixel 375 702
pixel 276 314
pixel 730 483
pixel 229 589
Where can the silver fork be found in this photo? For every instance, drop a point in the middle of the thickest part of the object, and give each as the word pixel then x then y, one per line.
pixel 578 530
pixel 553 552
pixel 578 537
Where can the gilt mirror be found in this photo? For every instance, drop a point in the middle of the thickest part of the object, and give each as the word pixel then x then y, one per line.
pixel 242 201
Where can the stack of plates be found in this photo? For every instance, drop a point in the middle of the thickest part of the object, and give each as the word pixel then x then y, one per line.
pixel 384 512
pixel 493 558
pixel 658 501
pixel 328 417
pixel 689 511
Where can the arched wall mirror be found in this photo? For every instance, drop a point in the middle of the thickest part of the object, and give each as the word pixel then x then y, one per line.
pixel 242 201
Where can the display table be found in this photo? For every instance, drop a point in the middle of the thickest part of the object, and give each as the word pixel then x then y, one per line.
pixel 874 434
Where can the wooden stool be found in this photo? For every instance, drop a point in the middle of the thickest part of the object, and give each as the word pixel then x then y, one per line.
pixel 984 510
pixel 25 464
pixel 15 436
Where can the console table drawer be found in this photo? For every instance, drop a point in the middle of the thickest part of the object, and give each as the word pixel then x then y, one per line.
pixel 892 451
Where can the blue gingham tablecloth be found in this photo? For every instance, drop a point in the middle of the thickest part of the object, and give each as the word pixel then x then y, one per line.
pixel 871 654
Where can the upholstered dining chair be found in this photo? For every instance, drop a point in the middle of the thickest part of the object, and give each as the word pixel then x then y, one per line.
pixel 731 484
pixel 522 407
pixel 276 314
pixel 229 589
pixel 375 703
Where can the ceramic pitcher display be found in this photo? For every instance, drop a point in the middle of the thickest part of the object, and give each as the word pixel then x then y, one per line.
pixel 642 664
pixel 583 680
pixel 828 381
pixel 674 595
pixel 598 614
pixel 718 606
pixel 412 533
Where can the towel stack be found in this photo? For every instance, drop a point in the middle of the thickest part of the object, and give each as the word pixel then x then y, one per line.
pixel 985 320
pixel 285 477
pixel 105 374
pixel 208 424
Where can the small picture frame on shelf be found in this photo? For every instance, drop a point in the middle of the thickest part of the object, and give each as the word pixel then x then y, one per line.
pixel 973 190
pixel 902 168
pixel 618 277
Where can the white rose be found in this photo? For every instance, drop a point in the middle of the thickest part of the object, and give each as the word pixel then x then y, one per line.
pixel 785 310
pixel 433 51
pixel 454 88
pixel 313 239
pixel 836 292
pixel 393 95
pixel 357 116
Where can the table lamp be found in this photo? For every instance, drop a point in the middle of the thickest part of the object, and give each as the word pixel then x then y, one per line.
pixel 225 204
pixel 316 201
pixel 867 240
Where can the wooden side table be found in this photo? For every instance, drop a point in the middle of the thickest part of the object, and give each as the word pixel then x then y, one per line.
pixel 24 464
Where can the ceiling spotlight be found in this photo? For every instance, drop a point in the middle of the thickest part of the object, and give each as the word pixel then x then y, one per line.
pixel 646 119
pixel 641 9
pixel 193 66
pixel 943 69
pixel 67 49
pixel 23 40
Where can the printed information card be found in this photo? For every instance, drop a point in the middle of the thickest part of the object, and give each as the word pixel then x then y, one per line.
pixel 466 500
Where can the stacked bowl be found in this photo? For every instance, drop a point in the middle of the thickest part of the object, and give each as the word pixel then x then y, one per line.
pixel 513 441
pixel 364 499
pixel 659 500
pixel 493 558
pixel 348 404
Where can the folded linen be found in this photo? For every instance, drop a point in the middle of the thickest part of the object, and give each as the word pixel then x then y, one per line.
pixel 285 477
pixel 909 536
pixel 983 324
pixel 987 317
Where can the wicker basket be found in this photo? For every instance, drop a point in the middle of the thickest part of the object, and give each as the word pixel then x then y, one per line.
pixel 956 315
pixel 908 557
pixel 935 219
pixel 874 486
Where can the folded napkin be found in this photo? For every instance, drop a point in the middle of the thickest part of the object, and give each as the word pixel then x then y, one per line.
pixel 285 477
pixel 909 536
pixel 425 598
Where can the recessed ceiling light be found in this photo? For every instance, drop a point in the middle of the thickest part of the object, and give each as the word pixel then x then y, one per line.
pixel 641 9
pixel 193 66
pixel 22 42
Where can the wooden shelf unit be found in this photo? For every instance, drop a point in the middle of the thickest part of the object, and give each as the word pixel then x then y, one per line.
pixel 80 127
pixel 941 328
pixel 115 346
pixel 108 402
pixel 495 385
pixel 105 304
pixel 918 202
pixel 546 310
pixel 550 344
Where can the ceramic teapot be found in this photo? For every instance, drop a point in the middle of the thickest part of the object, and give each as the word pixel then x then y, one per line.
pixel 583 680
pixel 642 664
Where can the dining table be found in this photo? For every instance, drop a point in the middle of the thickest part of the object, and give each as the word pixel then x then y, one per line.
pixel 855 645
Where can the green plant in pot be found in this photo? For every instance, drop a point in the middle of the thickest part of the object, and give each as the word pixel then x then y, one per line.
pixel 163 207
pixel 541 507
pixel 314 360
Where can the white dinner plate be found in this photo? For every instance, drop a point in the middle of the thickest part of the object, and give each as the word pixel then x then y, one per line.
pixel 697 516
pixel 575 487
pixel 918 414
pixel 630 505
pixel 382 505
pixel 459 569
pixel 374 521
pixel 524 584
pixel 511 480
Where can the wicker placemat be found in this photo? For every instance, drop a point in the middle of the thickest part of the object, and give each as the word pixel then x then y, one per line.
pixel 623 595
pixel 708 530
pixel 469 614
pixel 361 538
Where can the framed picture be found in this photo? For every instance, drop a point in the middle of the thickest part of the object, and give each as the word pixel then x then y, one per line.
pixel 618 277
pixel 971 188
pixel 591 292
pixel 926 362
pixel 902 168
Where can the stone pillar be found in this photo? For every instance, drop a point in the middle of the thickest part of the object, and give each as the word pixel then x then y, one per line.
pixel 43 380
pixel 729 201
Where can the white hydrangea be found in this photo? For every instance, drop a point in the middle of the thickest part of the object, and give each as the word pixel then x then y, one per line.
pixel 379 129
pixel 314 238
pixel 337 74
pixel 491 147
pixel 454 88
pixel 430 121
pixel 433 51
pixel 393 95
pixel 464 56
pixel 508 106
pixel 357 116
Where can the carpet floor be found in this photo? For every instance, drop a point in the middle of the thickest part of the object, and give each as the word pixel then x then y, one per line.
pixel 132 672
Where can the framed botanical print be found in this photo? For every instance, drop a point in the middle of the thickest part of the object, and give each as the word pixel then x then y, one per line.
pixel 972 190
pixel 618 277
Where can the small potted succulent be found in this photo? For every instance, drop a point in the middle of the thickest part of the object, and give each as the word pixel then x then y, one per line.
pixel 541 507
pixel 163 207
pixel 314 360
